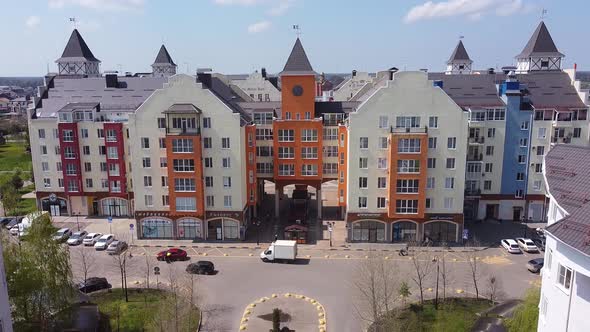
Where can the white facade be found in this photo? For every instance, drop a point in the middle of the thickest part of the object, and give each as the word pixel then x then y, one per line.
pixel 258 88
pixel 5 319
pixel 350 87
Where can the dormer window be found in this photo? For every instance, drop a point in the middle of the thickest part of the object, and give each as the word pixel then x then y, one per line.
pixel 461 67
pixel 544 64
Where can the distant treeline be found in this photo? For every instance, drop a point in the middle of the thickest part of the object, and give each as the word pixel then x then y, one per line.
pixel 23 82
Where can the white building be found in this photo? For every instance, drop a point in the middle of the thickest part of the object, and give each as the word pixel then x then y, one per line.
pixel 565 290
pixel 258 86
pixel 5 319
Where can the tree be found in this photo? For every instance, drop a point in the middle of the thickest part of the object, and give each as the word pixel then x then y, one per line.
pixel 39 276
pixel 422 269
pixel 445 275
pixel 475 268
pixel 16 180
pixel 10 198
pixel 494 290
pixel 86 261
pixel 404 292
pixel 148 270
pixel 276 320
pixel 120 261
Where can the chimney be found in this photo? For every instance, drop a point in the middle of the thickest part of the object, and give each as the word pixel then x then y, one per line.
pixel 392 71
pixel 263 72
pixel 491 71
pixel 354 73
pixel 205 79
pixel 111 80
pixel 424 70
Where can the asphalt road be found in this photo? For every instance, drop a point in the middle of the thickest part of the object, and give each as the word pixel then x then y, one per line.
pixel 242 278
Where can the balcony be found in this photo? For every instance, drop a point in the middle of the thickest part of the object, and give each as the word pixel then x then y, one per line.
pixel 408 130
pixel 561 140
pixel 475 157
pixel 472 192
pixel 476 140
pixel 562 123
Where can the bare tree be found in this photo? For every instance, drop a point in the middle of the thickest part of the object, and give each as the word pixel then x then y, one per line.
pixel 445 275
pixel 122 262
pixel 193 300
pixel 475 268
pixel 422 270
pixel 148 270
pixel 86 262
pixel 494 288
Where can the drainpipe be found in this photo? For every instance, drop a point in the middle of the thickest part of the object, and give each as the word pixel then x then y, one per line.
pixel 569 305
pixel 527 168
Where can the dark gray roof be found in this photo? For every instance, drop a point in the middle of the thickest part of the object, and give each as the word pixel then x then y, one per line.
pixel 164 57
pixel 540 45
pixel 79 106
pixel 182 108
pixel 460 53
pixel 77 48
pixel 566 169
pixel 322 107
pixel 470 90
pixel 298 63
pixel 229 97
pixel 552 90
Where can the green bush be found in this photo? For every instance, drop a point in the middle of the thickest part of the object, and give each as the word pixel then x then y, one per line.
pixel 526 316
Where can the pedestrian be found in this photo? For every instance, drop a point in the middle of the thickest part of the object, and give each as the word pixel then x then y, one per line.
pixel 276 237
pixel 168 257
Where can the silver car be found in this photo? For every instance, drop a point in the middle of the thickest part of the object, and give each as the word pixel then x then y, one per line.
pixel 104 241
pixel 91 239
pixel 116 247
pixel 77 238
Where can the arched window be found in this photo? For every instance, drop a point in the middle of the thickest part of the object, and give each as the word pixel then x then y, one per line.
pixel 231 231
pixel 368 231
pixel 156 228
pixel 404 231
pixel 440 231
pixel 189 228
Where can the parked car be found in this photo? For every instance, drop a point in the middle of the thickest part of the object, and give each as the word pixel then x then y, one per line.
pixel 103 242
pixel 201 267
pixel 540 243
pixel 91 239
pixel 14 230
pixel 535 265
pixel 173 254
pixel 116 247
pixel 62 235
pixel 6 220
pixel 527 245
pixel 93 284
pixel 511 246
pixel 77 238
pixel 12 223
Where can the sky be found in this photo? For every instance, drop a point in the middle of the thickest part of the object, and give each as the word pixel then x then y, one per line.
pixel 240 36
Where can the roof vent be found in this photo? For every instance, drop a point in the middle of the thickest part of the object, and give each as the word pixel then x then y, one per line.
pixel 491 71
pixel 111 80
pixel 354 73
pixel 263 72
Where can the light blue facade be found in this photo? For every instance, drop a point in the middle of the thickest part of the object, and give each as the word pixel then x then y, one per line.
pixel 515 165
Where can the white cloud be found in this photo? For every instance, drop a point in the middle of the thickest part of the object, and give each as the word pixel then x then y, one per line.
pixel 239 2
pixel 275 7
pixel 280 8
pixel 259 26
pixel 105 5
pixel 472 9
pixel 32 21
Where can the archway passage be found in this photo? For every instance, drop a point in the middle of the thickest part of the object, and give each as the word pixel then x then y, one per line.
pixel 56 206
pixel 221 229
pixel 113 206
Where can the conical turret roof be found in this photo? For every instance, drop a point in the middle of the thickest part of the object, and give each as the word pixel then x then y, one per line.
pixel 164 57
pixel 77 48
pixel 540 45
pixel 298 63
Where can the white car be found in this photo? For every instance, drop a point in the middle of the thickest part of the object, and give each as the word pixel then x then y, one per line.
pixel 62 235
pixel 14 230
pixel 77 238
pixel 527 245
pixel 104 241
pixel 91 239
pixel 511 246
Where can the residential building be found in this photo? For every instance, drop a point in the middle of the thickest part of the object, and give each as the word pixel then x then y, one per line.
pixel 5 310
pixel 565 287
pixel 259 86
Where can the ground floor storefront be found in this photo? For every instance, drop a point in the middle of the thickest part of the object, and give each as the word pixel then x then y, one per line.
pixel 215 226
pixel 533 208
pixel 377 228
pixel 89 204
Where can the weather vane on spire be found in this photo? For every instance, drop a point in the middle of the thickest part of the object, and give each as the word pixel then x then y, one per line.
pixel 461 37
pixel 543 13
pixel 297 30
pixel 73 20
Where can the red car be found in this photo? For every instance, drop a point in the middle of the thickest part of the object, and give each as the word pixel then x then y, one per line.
pixel 173 254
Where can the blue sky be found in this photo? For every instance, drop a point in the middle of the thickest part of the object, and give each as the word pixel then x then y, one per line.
pixel 239 36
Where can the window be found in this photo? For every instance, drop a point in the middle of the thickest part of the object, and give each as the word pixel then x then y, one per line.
pixel 364 142
pixel 57 150
pixel 540 150
pixel 408 145
pixel 382 163
pixel 408 166
pixel 524 125
pixel 186 204
pixel 263 118
pixel 68 135
pixel 182 184
pixel 565 277
pixel 264 167
pixel 100 133
pixel 104 183
pixel 68 152
pixel 406 206
pixel 521 158
pixel 41 133
pixel 431 162
pixel 383 121
pixel 209 181
pixel 145 143
pixel 264 134
pixel 381 182
pixel 147 181
pixel 450 163
pixel 286 152
pixel 207 143
pixel 89 183
pixel 47 182
pixel 165 200
pixel 477 116
pixel 363 162
pixel 227 201
pixel 45 166
pixel 226 162
pixel 430 183
pixel 184 123
pixel 577 132
pixel 330 134
pixel 549 261
pixel 206 122
pixel 449 183
pixel 264 151
pixel 452 142
pixel 286 169
pixel 330 151
pixel 328 169
pixel 183 165
pixel 87 167
pixel 286 135
pixel 473 168
pixel 432 142
pixel 112 152
pixel 496 114
pixel 44 150
pixel 523 142
pixel 210 201
pixel 163 162
pixel 433 122
pixel 161 123
pixel 383 142
pixel 103 167
pixel 225 143
pixel 183 145
pixel 491 132
pixel 58 166
pixel 362 202
pixel 381 202
pixel 71 169
pixel 208 162
pixel 164 180
pixel 542 133
pixel 407 186
pixel 407 122
pixel 537 185
pixel 227 182
pixel 309 170
pixel 487 185
pixel 148 200
pixel 543 306
pixel 146 162
pixel 448 203
pixel 519 176
pixel 60 183
pixel 538 168
pixel 519 193
pixel 489 150
pixel 309 153
pixel 86 150
pixel 429 204
pixel 489 167
pixel 309 135
pixel 363 182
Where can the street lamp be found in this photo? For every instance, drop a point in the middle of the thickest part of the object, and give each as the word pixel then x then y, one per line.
pixel 77 214
pixel 435 259
pixel 257 232
pixel 330 231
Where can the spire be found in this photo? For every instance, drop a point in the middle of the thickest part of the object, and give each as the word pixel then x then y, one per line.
pixel 164 57
pixel 540 45
pixel 459 54
pixel 77 48
pixel 298 63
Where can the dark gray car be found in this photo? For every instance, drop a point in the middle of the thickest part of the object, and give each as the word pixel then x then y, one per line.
pixel 535 265
pixel 201 267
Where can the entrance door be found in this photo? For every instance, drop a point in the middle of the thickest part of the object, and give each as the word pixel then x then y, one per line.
pixel 95 208
pixel 54 210
pixel 372 235
pixel 490 211
pixel 516 212
pixel 218 234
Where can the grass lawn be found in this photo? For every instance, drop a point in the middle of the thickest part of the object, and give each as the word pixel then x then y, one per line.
pixel 144 311
pixel 455 315
pixel 13 156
